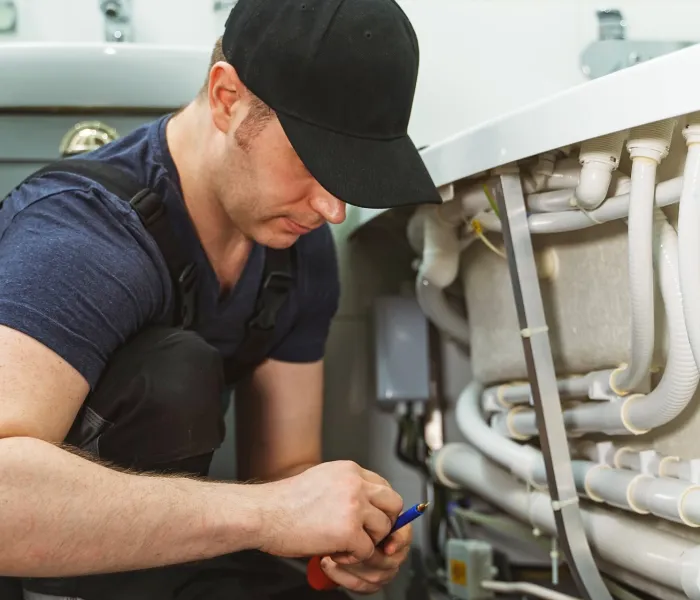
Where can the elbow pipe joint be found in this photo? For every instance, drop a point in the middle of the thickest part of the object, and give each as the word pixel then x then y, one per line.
pixel 625 417
pixel 599 157
pixel 440 263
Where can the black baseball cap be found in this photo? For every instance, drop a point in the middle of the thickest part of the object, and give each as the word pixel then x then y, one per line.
pixel 341 76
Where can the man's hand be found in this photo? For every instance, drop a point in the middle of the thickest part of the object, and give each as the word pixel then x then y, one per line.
pixel 334 509
pixel 370 575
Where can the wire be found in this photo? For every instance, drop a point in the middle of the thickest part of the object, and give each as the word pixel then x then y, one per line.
pixel 478 230
pixel 492 202
pixel 526 588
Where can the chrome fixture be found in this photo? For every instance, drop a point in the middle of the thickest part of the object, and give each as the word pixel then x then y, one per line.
pixel 8 16
pixel 117 20
pixel 612 51
pixel 86 136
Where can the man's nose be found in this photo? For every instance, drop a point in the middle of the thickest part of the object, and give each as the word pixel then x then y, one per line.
pixel 329 207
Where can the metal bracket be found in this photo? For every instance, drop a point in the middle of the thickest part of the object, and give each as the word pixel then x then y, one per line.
pixel 543 383
pixel 8 16
pixel 612 52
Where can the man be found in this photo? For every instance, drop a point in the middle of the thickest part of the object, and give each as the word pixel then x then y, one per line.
pixel 110 403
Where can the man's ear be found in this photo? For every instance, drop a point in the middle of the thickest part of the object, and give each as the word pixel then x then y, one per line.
pixel 225 93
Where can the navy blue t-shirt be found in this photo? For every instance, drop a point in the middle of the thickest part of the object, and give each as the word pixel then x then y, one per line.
pixel 79 272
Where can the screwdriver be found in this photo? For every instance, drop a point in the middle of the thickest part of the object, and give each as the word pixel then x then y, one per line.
pixel 318 580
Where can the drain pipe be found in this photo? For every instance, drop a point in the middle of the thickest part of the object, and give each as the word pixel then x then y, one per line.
pixel 648 145
pixel 599 157
pixel 638 413
pixel 667 193
pixel 616 538
pixel 433 303
pixel 688 229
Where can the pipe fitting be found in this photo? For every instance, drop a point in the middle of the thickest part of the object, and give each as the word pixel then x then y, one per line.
pixel 691 131
pixel 441 249
pixel 625 419
pixel 690 572
pixel 586 483
pixel 651 141
pixel 599 157
pixel 510 425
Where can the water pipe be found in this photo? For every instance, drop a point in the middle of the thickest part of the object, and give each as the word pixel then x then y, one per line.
pixel 688 230
pixel 599 157
pixel 648 145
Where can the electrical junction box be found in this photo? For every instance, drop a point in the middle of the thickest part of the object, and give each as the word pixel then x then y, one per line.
pixel 469 562
pixel 401 348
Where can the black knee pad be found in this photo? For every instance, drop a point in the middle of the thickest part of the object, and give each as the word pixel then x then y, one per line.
pixel 158 402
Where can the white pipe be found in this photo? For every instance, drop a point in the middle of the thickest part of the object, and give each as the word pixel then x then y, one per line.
pixel 641 278
pixel 670 499
pixel 433 303
pixel 531 589
pixel 637 413
pixel 667 193
pixel 551 201
pixel 506 395
pixel 536 179
pixel 566 176
pixel 558 200
pixel 599 157
pixel 645 461
pixel 688 234
pixel 680 378
pixel 441 248
pixel 522 460
pixel 616 538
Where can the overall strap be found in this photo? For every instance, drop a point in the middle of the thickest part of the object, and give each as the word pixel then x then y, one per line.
pixel 277 282
pixel 152 212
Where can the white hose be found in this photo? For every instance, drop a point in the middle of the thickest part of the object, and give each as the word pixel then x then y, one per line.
pixel 638 413
pixel 526 588
pixel 552 201
pixel 680 378
pixel 667 193
pixel 433 303
pixel 441 247
pixel 617 539
pixel 641 278
pixel 689 238
pixel 520 459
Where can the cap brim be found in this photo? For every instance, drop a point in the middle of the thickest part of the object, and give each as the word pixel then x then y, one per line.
pixel 362 172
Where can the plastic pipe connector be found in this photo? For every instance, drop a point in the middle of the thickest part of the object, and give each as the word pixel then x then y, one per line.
pixel 599 157
pixel 652 140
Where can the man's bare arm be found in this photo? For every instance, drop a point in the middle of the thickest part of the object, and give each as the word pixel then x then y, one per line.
pixel 279 415
pixel 61 514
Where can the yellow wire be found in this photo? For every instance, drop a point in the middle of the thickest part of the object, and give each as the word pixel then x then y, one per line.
pixel 478 230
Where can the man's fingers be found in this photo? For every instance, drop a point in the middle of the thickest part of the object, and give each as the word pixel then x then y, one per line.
pixel 386 500
pixel 377 524
pixel 370 583
pixel 398 540
pixel 374 478
pixel 378 561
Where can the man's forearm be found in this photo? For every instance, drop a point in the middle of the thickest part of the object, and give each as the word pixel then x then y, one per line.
pixel 293 470
pixel 62 515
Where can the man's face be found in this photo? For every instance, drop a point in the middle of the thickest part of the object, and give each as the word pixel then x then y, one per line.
pixel 266 189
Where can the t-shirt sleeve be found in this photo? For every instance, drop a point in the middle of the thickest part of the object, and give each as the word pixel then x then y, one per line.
pixel 319 296
pixel 78 276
